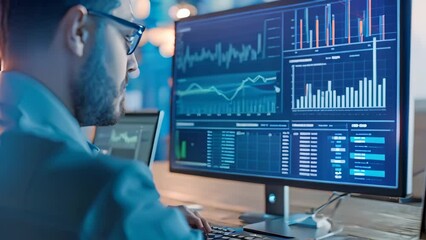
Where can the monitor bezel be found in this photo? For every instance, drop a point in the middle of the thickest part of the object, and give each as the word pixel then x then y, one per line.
pixel 404 116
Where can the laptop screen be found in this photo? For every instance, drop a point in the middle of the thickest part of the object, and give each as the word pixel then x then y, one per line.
pixel 135 136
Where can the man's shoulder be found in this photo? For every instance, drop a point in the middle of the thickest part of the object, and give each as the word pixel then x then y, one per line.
pixel 56 164
pixel 58 183
pixel 54 155
pixel 19 144
pixel 43 164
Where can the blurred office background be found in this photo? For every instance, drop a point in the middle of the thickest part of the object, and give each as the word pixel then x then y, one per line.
pixel 152 88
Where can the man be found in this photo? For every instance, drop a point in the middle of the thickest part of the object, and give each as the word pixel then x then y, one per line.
pixel 66 64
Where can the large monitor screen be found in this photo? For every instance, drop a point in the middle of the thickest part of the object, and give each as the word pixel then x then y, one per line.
pixel 304 93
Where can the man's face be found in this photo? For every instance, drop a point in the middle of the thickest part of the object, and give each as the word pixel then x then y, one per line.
pixel 100 89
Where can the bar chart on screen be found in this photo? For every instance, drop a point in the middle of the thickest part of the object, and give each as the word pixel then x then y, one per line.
pixel 336 56
pixel 351 93
pixel 332 84
pixel 339 23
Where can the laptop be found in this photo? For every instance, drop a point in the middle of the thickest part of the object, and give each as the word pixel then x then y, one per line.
pixel 135 136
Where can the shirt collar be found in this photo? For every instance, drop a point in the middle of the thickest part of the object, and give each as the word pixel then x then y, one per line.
pixel 40 111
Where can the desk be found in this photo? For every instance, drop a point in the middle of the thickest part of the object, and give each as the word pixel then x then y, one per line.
pixel 225 200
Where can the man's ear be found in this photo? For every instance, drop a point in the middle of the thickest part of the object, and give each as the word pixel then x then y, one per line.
pixel 76 30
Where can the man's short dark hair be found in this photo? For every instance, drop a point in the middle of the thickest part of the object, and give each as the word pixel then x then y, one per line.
pixel 28 22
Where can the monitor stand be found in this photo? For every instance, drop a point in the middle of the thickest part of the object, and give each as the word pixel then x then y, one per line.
pixel 276 205
pixel 277 222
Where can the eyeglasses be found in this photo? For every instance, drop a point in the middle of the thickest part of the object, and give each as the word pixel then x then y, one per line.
pixel 132 39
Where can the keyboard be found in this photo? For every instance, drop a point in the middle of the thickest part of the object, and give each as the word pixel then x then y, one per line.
pixel 219 232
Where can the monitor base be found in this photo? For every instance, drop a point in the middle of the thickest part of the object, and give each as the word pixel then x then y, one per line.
pixel 302 227
pixel 252 217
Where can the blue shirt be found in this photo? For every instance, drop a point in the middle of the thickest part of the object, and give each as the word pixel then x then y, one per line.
pixel 54 186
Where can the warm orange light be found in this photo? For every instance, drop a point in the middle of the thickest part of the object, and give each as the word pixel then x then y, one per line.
pixel 182 10
pixel 142 8
pixel 167 50
pixel 183 13
pixel 161 35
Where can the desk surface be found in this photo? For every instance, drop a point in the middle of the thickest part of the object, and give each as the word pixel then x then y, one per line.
pixel 223 201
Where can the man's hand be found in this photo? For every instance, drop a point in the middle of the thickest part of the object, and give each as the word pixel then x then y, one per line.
pixel 194 219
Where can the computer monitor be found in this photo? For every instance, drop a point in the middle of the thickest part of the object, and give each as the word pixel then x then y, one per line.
pixel 311 94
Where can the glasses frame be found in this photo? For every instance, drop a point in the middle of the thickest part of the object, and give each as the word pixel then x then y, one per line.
pixel 139 28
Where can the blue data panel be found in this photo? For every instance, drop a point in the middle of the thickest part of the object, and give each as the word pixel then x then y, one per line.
pixel 301 92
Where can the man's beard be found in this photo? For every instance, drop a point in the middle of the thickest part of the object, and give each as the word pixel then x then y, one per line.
pixel 95 94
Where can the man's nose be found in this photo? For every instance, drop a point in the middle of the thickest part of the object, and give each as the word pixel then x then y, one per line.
pixel 132 66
